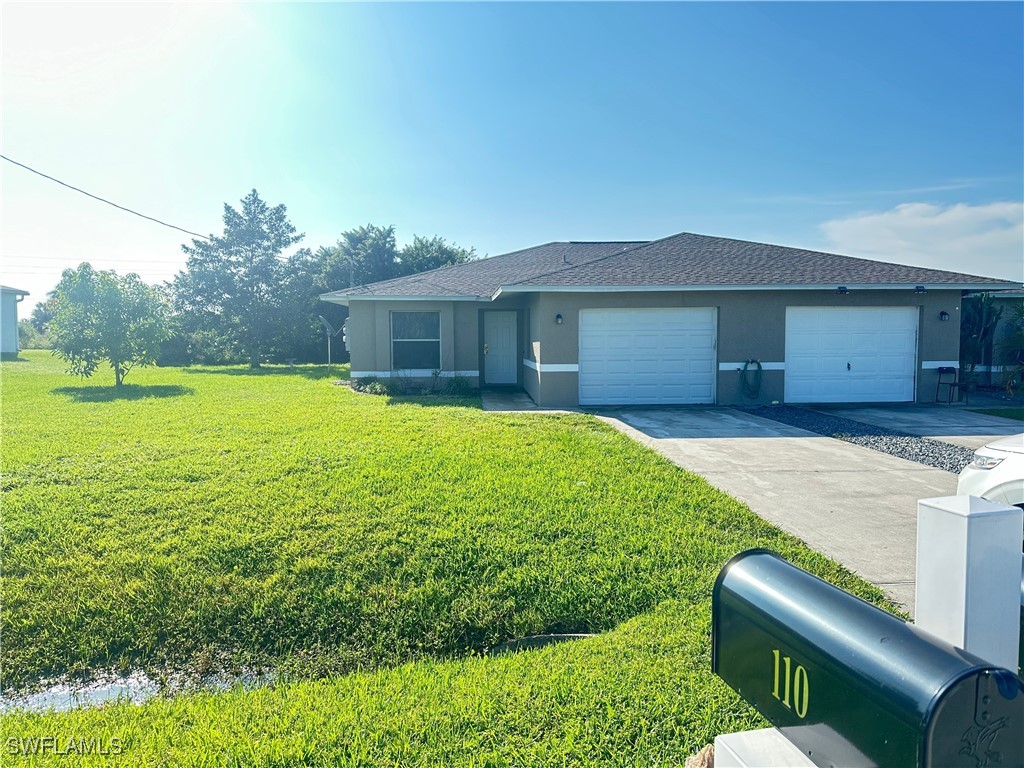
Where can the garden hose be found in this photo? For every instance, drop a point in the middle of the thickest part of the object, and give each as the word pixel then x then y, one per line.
pixel 752 384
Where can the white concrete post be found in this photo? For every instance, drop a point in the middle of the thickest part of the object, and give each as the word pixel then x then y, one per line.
pixel 766 748
pixel 968 575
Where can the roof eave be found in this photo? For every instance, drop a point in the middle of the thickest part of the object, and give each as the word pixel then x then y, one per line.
pixel 344 299
pixel 772 287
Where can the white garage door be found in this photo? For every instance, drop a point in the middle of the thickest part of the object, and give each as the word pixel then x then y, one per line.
pixel 858 355
pixel 647 356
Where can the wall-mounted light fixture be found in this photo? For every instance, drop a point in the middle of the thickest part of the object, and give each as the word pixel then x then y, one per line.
pixel 558 319
pixel 920 289
pixel 943 315
pixel 842 289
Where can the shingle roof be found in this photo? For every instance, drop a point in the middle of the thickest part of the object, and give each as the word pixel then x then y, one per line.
pixel 8 289
pixel 684 260
pixel 482 277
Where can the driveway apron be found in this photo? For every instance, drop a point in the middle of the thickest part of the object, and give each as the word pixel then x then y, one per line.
pixel 851 503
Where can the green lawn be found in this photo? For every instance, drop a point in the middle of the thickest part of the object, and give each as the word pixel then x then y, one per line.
pixel 371 549
pixel 1006 413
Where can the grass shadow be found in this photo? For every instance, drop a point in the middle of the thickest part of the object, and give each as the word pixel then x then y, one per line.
pixel 435 401
pixel 124 392
pixel 313 373
pixel 13 357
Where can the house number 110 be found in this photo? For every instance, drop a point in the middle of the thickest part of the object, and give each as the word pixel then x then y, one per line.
pixel 793 681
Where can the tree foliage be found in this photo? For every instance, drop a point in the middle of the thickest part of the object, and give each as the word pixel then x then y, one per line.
pixel 370 254
pixel 43 313
pixel 242 296
pixel 978 320
pixel 102 316
pixel 1011 349
pixel 29 337
pixel 233 280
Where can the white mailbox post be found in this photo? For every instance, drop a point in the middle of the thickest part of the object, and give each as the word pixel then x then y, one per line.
pixel 968 575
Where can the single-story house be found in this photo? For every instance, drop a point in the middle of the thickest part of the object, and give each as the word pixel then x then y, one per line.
pixel 685 319
pixel 9 300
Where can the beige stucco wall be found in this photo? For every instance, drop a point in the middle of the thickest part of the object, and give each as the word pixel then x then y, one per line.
pixel 751 325
pixel 369 332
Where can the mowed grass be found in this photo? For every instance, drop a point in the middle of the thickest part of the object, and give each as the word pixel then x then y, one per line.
pixel 1006 413
pixel 372 548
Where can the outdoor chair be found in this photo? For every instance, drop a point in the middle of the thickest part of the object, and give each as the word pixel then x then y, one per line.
pixel 953 383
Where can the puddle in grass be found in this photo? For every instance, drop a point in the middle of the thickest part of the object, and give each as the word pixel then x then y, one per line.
pixel 137 687
pixel 132 688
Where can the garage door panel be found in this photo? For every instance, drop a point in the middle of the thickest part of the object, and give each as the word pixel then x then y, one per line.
pixel 652 356
pixel 863 354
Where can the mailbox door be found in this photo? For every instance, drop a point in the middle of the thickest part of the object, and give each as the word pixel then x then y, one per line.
pixel 978 721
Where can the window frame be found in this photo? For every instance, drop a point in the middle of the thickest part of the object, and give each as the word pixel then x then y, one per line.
pixel 392 339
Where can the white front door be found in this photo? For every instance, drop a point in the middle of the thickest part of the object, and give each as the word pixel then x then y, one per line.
pixel 647 356
pixel 500 345
pixel 851 355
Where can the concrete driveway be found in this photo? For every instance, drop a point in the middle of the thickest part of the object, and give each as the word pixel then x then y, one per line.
pixel 938 422
pixel 853 504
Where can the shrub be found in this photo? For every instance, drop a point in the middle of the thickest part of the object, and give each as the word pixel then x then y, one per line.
pixel 370 385
pixel 458 386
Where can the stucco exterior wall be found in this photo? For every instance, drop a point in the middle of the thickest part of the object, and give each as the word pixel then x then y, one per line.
pixel 369 336
pixel 751 325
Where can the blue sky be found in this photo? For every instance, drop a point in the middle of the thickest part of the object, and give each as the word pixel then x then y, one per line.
pixel 892 131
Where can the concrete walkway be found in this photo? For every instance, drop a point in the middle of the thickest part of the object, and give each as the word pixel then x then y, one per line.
pixel 853 504
pixel 514 401
pixel 938 422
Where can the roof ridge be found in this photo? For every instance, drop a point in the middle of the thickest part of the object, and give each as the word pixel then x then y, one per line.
pixel 833 254
pixel 446 266
pixel 639 244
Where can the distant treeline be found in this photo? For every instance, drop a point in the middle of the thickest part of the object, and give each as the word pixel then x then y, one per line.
pixel 241 299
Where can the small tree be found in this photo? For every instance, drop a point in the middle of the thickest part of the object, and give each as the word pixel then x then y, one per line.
pixel 102 316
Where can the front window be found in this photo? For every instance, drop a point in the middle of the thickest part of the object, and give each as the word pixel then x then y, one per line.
pixel 416 341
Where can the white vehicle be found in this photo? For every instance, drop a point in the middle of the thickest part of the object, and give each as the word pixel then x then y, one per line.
pixel 997 472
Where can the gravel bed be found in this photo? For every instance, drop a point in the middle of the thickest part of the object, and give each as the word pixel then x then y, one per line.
pixel 933 453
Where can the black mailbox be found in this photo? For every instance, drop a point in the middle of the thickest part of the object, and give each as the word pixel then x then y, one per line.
pixel 851 685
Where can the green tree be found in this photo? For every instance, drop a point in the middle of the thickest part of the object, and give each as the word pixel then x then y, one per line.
pixel 43 313
pixel 369 254
pixel 423 254
pixel 1011 349
pixel 234 279
pixel 363 255
pixel 30 338
pixel 102 316
pixel 978 320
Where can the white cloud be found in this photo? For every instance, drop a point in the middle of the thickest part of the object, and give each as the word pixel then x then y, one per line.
pixel 983 239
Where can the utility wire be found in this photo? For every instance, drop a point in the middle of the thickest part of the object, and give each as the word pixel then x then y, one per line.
pixel 102 200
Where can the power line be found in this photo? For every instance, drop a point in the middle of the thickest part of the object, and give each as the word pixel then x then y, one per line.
pixel 5 258
pixel 102 200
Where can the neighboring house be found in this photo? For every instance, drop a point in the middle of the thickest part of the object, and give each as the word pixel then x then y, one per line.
pixel 9 299
pixel 670 321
